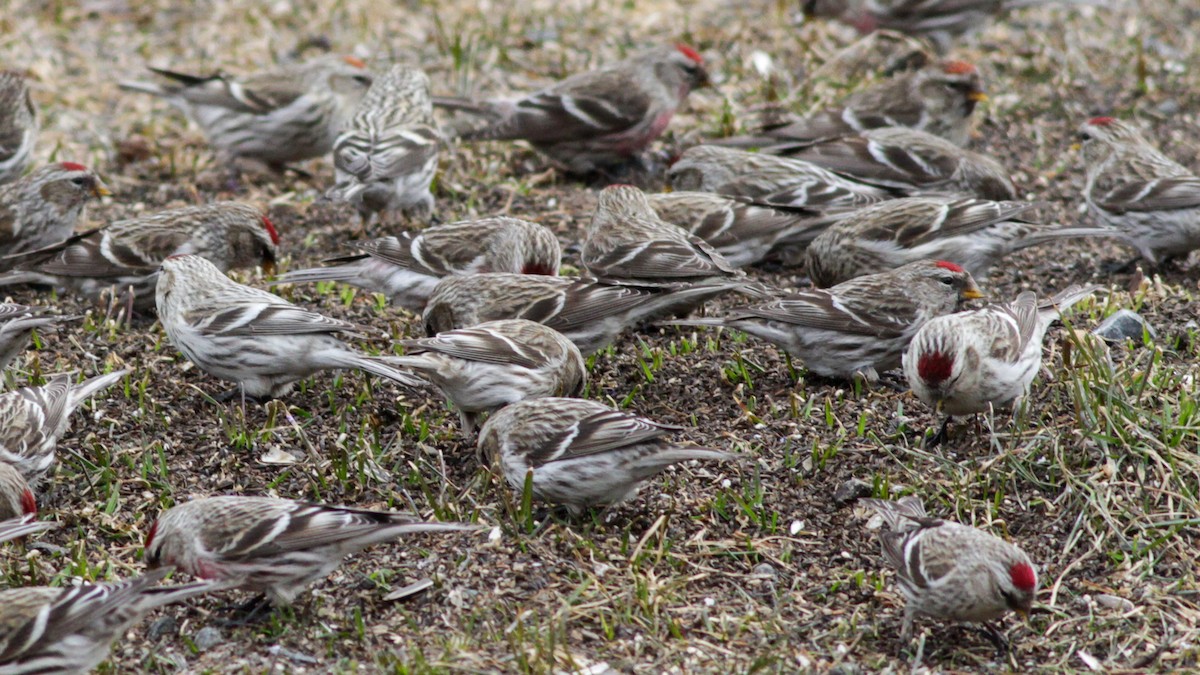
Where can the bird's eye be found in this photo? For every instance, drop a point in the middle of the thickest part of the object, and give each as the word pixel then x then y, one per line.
pixel 949 281
pixel 80 180
pixel 1085 136
pixel 363 80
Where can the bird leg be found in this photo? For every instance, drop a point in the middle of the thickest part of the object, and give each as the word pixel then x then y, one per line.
pixel 941 435
pixel 1122 268
pixel 997 638
pixel 255 610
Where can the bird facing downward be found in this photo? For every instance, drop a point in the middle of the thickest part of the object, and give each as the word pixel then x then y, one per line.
pixel 274 546
pixel 387 157
pixel 950 571
pixel 249 336
pixel 596 119
pixel 1133 187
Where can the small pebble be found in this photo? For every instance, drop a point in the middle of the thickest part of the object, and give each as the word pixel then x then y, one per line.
pixel 162 626
pixel 1124 325
pixel 208 637
pixel 851 490
pixel 765 570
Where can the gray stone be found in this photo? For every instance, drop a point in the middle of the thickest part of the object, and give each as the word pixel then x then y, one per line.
pixel 166 625
pixel 208 637
pixel 765 570
pixel 851 490
pixel 1124 325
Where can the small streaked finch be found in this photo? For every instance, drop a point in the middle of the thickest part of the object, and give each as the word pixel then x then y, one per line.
pixel 857 329
pixel 122 259
pixel 273 546
pixel 32 419
pixel 971 362
pixel 387 157
pixel 973 233
pixel 595 119
pixel 408 266
pixel 950 571
pixel 483 368
pixel 581 453
pixel 69 630
pixel 590 313
pixel 278 116
pixel 249 336
pixel 907 161
pixel 44 207
pixel 1136 189
pixel 939 99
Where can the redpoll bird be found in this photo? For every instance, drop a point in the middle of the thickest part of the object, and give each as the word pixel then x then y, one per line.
pixel 283 115
pixel 15 528
pixel 627 242
pixel 951 571
pixel 16 499
pixel 764 177
pixel 69 630
pixel 125 256
pixel 18 325
pixel 581 453
pixel 857 329
pixel 485 367
pixel 970 362
pixel 599 118
pixel 938 99
pixel 590 313
pixel 32 419
pixel 1134 188
pixel 44 207
pixel 907 161
pixel 973 233
pixel 249 336
pixel 18 125
pixel 940 21
pixel 387 157
pixel 407 267
pixel 273 546
pixel 743 233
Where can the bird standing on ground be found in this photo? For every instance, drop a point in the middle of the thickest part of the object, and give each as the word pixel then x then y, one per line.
pixel 277 116
pixel 596 119
pixel 44 207
pixel 1136 189
pixel 950 571
pixel 249 336
pixel 385 160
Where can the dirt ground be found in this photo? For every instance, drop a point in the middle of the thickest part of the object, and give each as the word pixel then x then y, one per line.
pixel 760 566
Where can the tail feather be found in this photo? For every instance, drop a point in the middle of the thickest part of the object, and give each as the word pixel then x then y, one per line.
pixel 711 322
pixel 376 366
pixel 463 105
pixel 143 88
pixel 87 388
pixel 16 528
pixel 898 514
pixel 1049 235
pixel 1052 307
pixel 314 274
pixel 682 453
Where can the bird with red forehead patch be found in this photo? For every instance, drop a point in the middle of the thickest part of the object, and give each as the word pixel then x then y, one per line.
pixel 952 572
pixel 1133 188
pixel 938 99
pixel 939 21
pixel 277 116
pixel 976 233
pixel 599 119
pixel 408 266
pixel 45 206
pixel 985 359
pixel 857 329
pixel 125 255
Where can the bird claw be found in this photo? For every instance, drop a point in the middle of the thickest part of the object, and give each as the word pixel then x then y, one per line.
pixel 255 610
pixel 939 437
